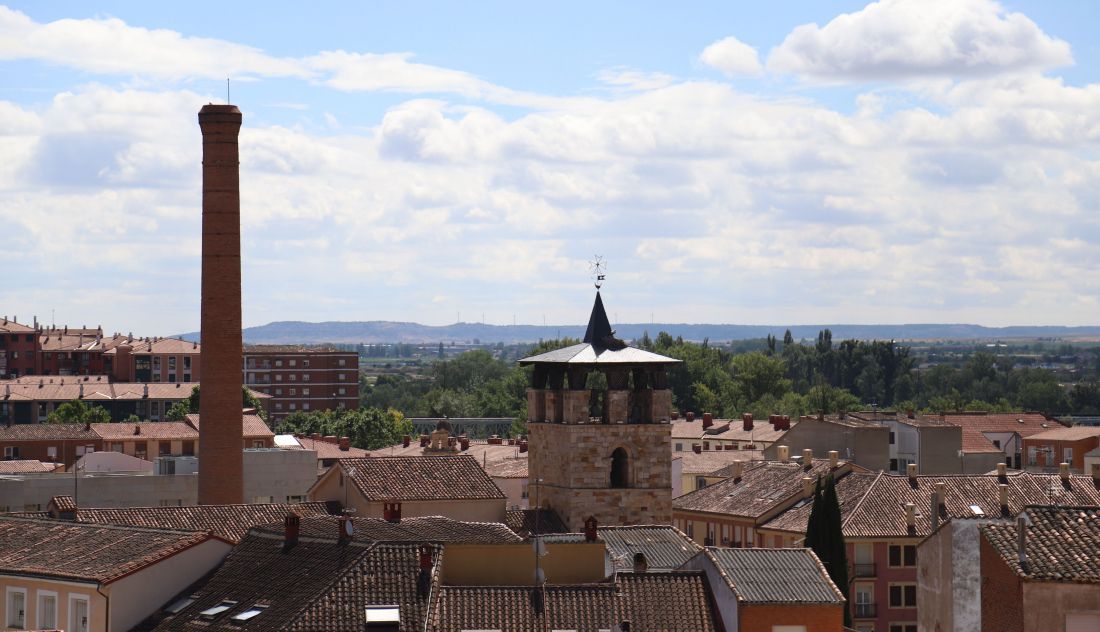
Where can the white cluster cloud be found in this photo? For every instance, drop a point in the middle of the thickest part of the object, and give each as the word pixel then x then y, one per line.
pixel 719 205
pixel 916 39
pixel 733 57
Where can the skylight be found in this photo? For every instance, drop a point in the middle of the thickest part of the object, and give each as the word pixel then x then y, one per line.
pixel 250 613
pixel 976 510
pixel 179 604
pixel 210 613
pixel 383 614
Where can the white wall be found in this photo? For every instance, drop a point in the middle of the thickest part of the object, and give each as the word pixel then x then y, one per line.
pixel 724 598
pixel 137 596
pixel 278 473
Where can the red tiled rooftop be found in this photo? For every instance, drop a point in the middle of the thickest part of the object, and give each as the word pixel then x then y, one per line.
pixel 230 522
pixel 327 450
pixel 420 478
pixel 165 430
pixel 253 427
pixel 26 467
pixel 764 487
pixel 1062 544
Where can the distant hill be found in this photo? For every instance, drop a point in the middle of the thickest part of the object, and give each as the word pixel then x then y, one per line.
pixel 380 331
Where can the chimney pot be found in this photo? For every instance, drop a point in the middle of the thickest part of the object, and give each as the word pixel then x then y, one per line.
pixel 708 420
pixel 834 459
pixel 738 470
pixel 1063 472
pixel 425 558
pixel 706 445
pixel 941 494
pixel 1021 538
pixel 464 443
pixel 807 458
pixel 424 439
pixel 1002 470
pixel 675 414
pixel 291 528
pixel 405 441
pixel 689 415
pixel 911 470
pixel 590 529
pixel 345 443
pixel 1096 473
pixel 330 439
pixel 1002 492
pixel 696 448
pixel 746 421
pixel 784 453
pixel 522 446
pixel 807 487
pixel 910 515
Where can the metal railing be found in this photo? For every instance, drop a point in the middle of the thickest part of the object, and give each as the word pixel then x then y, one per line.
pixel 864 611
pixel 863 570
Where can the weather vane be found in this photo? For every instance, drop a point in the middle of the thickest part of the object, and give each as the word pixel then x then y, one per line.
pixel 598 267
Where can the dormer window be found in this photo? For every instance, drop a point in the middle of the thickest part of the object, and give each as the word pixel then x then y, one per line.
pixel 248 614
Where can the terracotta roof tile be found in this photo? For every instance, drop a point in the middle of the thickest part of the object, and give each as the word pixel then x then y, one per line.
pixel 507 468
pixel 850 490
pixel 316 585
pixel 764 487
pixel 881 511
pixel 146 430
pixel 69 550
pixel 761 431
pixel 1075 433
pixel 45 432
pixel 1062 544
pixel 775 576
pixel 420 478
pixel 523 521
pixel 328 450
pixel 709 461
pixel 12 327
pixel 650 601
pixel 977 425
pixel 422 529
pixel 253 426
pixel 230 522
pixel 26 467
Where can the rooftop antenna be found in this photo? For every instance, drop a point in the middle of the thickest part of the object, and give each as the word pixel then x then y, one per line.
pixel 227 101
pixel 598 267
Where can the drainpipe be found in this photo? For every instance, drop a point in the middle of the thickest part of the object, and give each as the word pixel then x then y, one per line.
pixel 106 598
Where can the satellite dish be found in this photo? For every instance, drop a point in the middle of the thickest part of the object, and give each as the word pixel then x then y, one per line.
pixel 349 528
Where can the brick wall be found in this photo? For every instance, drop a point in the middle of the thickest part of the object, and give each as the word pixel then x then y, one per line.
pixel 1002 593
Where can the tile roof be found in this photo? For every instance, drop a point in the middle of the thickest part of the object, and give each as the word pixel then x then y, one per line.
pixel 684 429
pixel 328 450
pixel 420 478
pixel 507 468
pixel 709 461
pixel 918 420
pixel 253 427
pixel 26 466
pixel 69 550
pixel 850 489
pixel 12 327
pixel 522 521
pixel 1074 433
pixel 764 487
pixel 1062 544
pixel 230 522
pixel 46 432
pixel 665 547
pixel 297 349
pixel 775 576
pixel 421 529
pixel 669 602
pixel 976 425
pixel 145 430
pixel 761 431
pixel 170 346
pixel 881 511
pixel 315 585
pixel 95 387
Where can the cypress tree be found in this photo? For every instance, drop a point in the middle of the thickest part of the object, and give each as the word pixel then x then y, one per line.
pixel 825 535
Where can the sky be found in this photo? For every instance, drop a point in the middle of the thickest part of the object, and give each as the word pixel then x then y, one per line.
pixel 903 161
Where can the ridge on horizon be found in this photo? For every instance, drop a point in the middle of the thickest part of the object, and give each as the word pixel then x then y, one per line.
pixel 385 331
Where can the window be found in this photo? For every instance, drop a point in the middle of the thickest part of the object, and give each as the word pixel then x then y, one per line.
pixel 186 362
pixel 341 391
pixel 210 613
pixel 171 363
pixel 80 614
pixel 11 453
pixel 340 377
pixel 295 499
pixel 700 482
pixel 903 555
pixel 171 377
pixel 1031 452
pixel 1067 455
pixel 180 604
pixel 51 452
pixel 293 363
pixel 47 610
pixel 893 465
pixel 903 627
pixel 305 392
pixel 305 364
pixel 116 447
pixel 278 405
pixel 305 406
pixel 17 608
pixel 278 391
pixel 293 391
pixel 891 437
pixel 679 446
pixel 903 595
pixel 341 362
pixel 186 377
pixel 248 614
pixel 997 443
pixel 257 443
pixel 305 377
pixel 278 377
pixel 165 448
pixel 293 406
pixel 292 377
pixel 620 468
pixel 278 363
pixel 139 450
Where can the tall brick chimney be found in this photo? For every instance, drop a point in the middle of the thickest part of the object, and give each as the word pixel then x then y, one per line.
pixel 221 467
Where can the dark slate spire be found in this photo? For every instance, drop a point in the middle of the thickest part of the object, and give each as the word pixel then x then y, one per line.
pixel 599 333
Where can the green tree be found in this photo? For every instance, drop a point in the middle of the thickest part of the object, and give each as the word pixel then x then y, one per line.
pixel 825 535
pixel 248 400
pixel 77 412
pixel 178 411
pixel 367 428
pixel 757 374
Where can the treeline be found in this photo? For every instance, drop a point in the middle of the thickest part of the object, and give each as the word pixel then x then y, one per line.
pixel 367 428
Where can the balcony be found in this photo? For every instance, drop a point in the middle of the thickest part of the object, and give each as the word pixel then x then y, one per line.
pixel 864 611
pixel 863 570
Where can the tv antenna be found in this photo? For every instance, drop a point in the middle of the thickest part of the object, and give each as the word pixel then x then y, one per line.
pixel 227 101
pixel 598 267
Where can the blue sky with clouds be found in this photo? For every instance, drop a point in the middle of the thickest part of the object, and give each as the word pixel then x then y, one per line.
pixel 791 162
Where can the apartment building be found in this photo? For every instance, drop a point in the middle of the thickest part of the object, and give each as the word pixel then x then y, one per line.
pixel 303 380
pixel 18 343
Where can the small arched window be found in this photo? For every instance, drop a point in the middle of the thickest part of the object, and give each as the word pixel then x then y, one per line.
pixel 620 468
